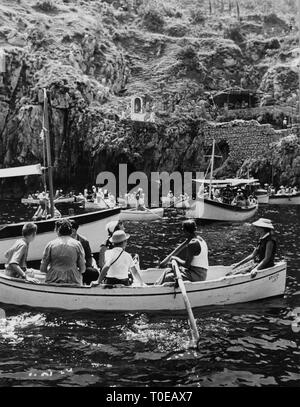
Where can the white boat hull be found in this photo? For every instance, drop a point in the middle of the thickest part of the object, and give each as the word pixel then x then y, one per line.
pixel 263 199
pixel 136 215
pixel 217 290
pixel 92 226
pixel 293 199
pixel 99 205
pixel 211 210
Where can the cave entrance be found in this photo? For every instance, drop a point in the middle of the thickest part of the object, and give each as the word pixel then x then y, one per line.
pixel 237 98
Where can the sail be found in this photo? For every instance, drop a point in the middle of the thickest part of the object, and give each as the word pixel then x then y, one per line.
pixel 21 171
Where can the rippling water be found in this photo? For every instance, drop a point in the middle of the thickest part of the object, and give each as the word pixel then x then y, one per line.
pixel 241 345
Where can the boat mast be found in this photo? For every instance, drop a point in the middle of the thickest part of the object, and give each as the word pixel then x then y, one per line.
pixel 48 146
pixel 212 166
pixel 299 66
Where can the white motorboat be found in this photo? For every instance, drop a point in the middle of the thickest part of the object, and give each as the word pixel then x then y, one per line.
pixel 207 209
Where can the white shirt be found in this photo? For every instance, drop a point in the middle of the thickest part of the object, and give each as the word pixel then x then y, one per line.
pixel 122 266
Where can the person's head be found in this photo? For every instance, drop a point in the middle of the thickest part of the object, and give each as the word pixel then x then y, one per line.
pixel 189 227
pixel 263 226
pixel 63 227
pixel 29 231
pixel 119 239
pixel 113 226
pixel 75 227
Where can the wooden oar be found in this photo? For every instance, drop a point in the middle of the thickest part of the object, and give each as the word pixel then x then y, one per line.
pixel 193 326
pixel 174 253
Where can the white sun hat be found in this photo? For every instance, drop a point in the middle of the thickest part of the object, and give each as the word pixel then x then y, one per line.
pixel 263 223
pixel 111 226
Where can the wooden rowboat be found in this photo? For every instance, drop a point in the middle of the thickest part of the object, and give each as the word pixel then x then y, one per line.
pixel 286 199
pixel 140 215
pixel 92 226
pixel 216 290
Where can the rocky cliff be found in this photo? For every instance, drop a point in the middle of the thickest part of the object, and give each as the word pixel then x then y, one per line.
pixel 93 56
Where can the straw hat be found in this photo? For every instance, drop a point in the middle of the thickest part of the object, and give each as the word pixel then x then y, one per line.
pixel 263 223
pixel 119 237
pixel 111 226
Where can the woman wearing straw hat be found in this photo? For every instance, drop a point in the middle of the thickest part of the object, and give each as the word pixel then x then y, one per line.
pixel 264 253
pixel 118 263
pixel 111 227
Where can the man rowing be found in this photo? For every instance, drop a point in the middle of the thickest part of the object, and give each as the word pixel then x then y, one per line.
pixel 194 265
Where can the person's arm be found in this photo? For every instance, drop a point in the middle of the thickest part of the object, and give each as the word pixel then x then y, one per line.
pixel 193 249
pixel 101 260
pixel 88 254
pixel 17 269
pixel 103 273
pixel 137 275
pixel 268 255
pixel 81 259
pixel 45 259
pixel 248 258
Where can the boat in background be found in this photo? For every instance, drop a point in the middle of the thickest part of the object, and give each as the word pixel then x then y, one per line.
pixel 92 226
pixel 178 203
pixel 35 201
pixel 262 196
pixel 285 199
pixel 141 215
pixel 205 208
pixel 217 289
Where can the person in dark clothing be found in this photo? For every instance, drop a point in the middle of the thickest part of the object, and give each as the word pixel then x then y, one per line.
pixel 263 255
pixel 227 195
pixel 91 272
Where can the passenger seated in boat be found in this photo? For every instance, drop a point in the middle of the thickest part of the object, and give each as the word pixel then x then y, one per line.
pixel 63 258
pixel 118 263
pixel 281 191
pixel 195 265
pixel 240 199
pixel 91 272
pixel 264 253
pixel 17 255
pixel 111 227
pixel 138 197
pixel 227 195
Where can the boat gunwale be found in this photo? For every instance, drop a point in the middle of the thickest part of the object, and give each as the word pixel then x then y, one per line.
pixel 228 206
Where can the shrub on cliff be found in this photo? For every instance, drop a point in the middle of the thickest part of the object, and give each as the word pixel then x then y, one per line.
pixel 234 33
pixel 153 18
pixel 177 30
pixel 45 5
pixel 197 17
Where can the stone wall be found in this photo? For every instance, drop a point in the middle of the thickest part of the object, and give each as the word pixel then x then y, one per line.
pixel 246 139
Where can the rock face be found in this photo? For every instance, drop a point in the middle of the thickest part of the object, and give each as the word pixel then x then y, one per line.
pixel 92 57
